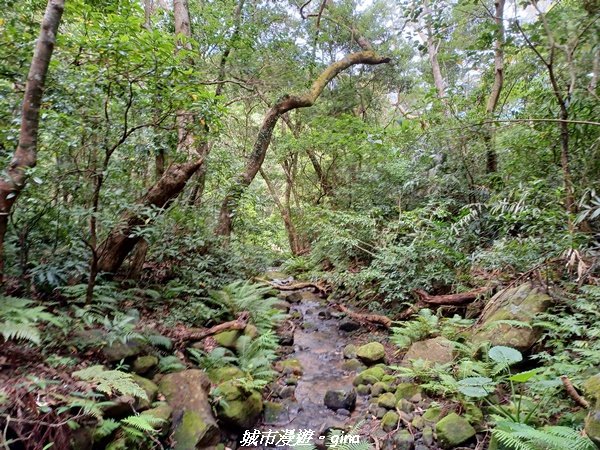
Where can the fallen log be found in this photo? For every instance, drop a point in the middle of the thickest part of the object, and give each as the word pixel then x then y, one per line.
pixel 196 334
pixel 372 318
pixel 462 298
pixel 298 285
pixel 573 392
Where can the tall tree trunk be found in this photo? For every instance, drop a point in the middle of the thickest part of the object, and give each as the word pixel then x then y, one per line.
pixel 432 53
pixel 121 240
pixel 25 156
pixel 283 105
pixel 492 103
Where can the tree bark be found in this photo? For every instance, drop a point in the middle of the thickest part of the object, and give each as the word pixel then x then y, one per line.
pixel 283 105
pixel 25 157
pixel 121 240
pixel 492 103
pixel 452 299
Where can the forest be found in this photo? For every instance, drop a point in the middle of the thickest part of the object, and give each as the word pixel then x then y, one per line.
pixel 300 224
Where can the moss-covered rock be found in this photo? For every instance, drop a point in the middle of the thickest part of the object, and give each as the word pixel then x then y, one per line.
pixel 226 373
pixel 352 365
pixel 591 388
pixel 349 351
pixel 149 387
pixel 363 389
pixel 289 367
pixel 228 338
pixel 434 351
pixel 144 364
pixel 405 406
pixel 432 414
pixel 370 376
pixel 251 331
pixel 162 411
pixel 407 391
pixel 387 400
pixel 238 407
pixel 371 353
pixel 117 350
pixel 521 303
pixel 389 421
pixel 453 430
pixel 592 426
pixel 380 387
pixel 272 411
pixel 193 424
pixel 403 440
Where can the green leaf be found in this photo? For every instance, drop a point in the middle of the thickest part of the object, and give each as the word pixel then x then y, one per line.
pixel 523 377
pixel 505 355
pixel 476 386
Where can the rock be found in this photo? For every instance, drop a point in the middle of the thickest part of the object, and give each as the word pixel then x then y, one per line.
pixel 161 411
pixel 371 353
pixel 369 376
pixel 149 387
pixel 287 391
pixel 227 339
pixel 282 305
pixel 273 275
pixel 521 303
pixel 474 415
pixel 417 398
pixel 592 425
pixel 432 414
pixel 144 364
pixel 289 367
pixel 82 438
pixel 340 399
pixel 291 381
pixel 387 400
pixel 407 390
pixel 349 351
pixel 271 412
pixel 225 373
pixel 427 436
pixel 193 424
pixel 349 325
pixel 453 430
pixel 418 422
pixel 239 408
pixel 287 339
pixel 324 315
pixel 118 350
pixel 403 440
pixel 379 411
pixel 297 297
pixel 591 388
pixel 404 405
pixel 437 350
pixel 389 421
pixel 379 388
pixel 343 412
pixel 251 331
pixel 120 443
pixel 352 365
pixel 363 389
pixel 308 326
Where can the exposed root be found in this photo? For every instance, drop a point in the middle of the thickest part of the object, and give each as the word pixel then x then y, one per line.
pixel 195 334
pixel 369 318
pixel 462 298
pixel 573 392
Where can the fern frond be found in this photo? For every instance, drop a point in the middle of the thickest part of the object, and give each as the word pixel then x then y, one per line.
pixel 111 381
pixel 142 422
pixel 105 428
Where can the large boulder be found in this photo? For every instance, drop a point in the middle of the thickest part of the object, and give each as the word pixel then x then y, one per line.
pixel 438 350
pixel 453 430
pixel 238 408
pixel 118 350
pixel 193 424
pixel 371 353
pixel 591 389
pixel 522 304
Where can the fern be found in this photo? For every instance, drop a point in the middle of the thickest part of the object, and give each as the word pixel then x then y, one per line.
pixel 518 436
pixel 19 318
pixel 109 382
pixel 170 363
pixel 142 422
pixel 105 428
pixel 214 359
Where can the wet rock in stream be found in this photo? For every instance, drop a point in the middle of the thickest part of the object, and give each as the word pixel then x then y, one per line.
pixel 340 399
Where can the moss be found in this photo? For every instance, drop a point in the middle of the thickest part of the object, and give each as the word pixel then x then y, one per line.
pixel 407 391
pixel 370 376
pixel 191 431
pixel 227 339
pixel 453 430
pixel 389 422
pixel 226 373
pixel 432 414
pixel 144 364
pixel 371 353
pixel 289 366
pixel 387 400
pixel 592 426
pixel 239 408
pixel 149 387
pixel 591 387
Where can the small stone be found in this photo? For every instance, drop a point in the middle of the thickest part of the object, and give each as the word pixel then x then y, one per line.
pixel 144 364
pixel 403 440
pixel 282 305
pixel 289 366
pixel 363 389
pixel 418 422
pixel 349 325
pixel 352 365
pixel 371 353
pixel 405 405
pixel 427 436
pixel 294 297
pixel 389 422
pixel 421 447
pixel 286 340
pixel 418 397
pixel 340 399
pixel 380 388
pixel 349 351
pixel 369 376
pixel 324 315
pixel 227 339
pixel 407 390
pixel 387 400
pixel 379 412
pixel 308 326
pixel 287 391
pixel 453 430
pixel 343 412
pixel 291 381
